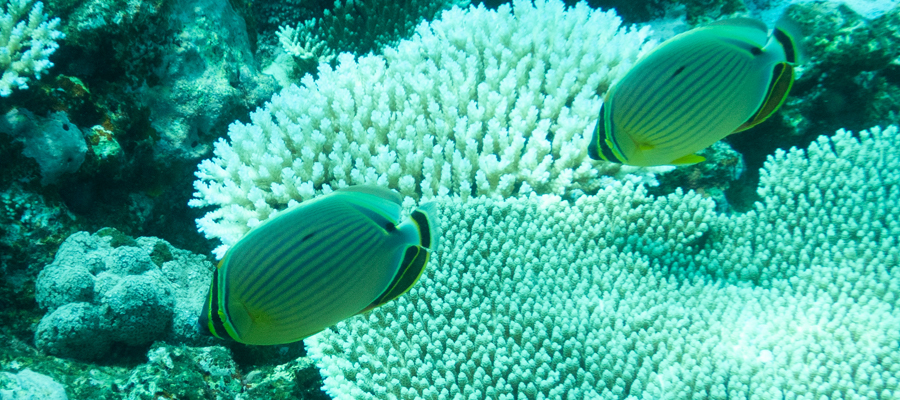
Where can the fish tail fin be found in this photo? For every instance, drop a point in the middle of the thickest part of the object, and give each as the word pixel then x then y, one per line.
pixel 789 35
pixel 210 320
pixel 415 256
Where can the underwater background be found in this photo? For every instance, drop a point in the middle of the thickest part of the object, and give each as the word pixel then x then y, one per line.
pixel 139 139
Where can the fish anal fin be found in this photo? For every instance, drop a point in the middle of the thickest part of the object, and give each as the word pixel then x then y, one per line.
pixel 688 160
pixel 415 258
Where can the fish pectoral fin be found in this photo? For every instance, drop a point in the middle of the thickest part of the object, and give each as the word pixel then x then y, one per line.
pixel 645 146
pixel 414 260
pixel 688 160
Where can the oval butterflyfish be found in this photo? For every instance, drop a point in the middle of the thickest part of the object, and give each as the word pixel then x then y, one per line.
pixel 317 263
pixel 695 89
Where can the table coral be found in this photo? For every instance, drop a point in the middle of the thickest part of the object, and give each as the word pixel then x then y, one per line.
pixel 625 295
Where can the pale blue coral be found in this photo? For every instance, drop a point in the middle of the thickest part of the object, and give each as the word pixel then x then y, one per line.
pixel 626 295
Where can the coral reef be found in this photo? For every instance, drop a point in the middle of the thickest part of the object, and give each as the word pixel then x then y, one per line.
pixel 556 277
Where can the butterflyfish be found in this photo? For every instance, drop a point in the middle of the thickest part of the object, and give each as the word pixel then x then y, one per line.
pixel 695 89
pixel 320 262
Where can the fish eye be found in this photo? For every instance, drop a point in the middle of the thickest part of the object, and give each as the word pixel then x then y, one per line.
pixel 390 227
pixel 755 51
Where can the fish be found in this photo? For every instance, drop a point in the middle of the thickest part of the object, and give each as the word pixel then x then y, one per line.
pixel 316 264
pixel 694 90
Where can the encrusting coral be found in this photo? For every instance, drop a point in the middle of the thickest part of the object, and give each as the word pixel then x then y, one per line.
pixel 479 102
pixel 622 294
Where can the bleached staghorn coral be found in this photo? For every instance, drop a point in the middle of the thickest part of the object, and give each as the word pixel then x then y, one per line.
pixel 480 102
pixel 27 39
pixel 623 295
pixel 305 44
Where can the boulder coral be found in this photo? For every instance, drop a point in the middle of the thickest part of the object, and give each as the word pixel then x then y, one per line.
pixel 106 289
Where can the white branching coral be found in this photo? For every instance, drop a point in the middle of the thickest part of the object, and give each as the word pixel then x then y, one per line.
pixel 480 102
pixel 27 39
pixel 305 44
pixel 624 295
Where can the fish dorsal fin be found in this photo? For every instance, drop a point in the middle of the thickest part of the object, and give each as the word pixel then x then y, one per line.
pixel 688 160
pixel 746 30
pixel 379 204
pixel 782 80
pixel 742 23
pixel 378 191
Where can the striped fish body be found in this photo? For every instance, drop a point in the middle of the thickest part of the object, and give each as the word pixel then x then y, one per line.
pixel 692 91
pixel 316 264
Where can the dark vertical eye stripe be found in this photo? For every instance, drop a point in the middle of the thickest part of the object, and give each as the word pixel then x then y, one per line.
pixel 608 154
pixel 310 268
pixel 597 148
